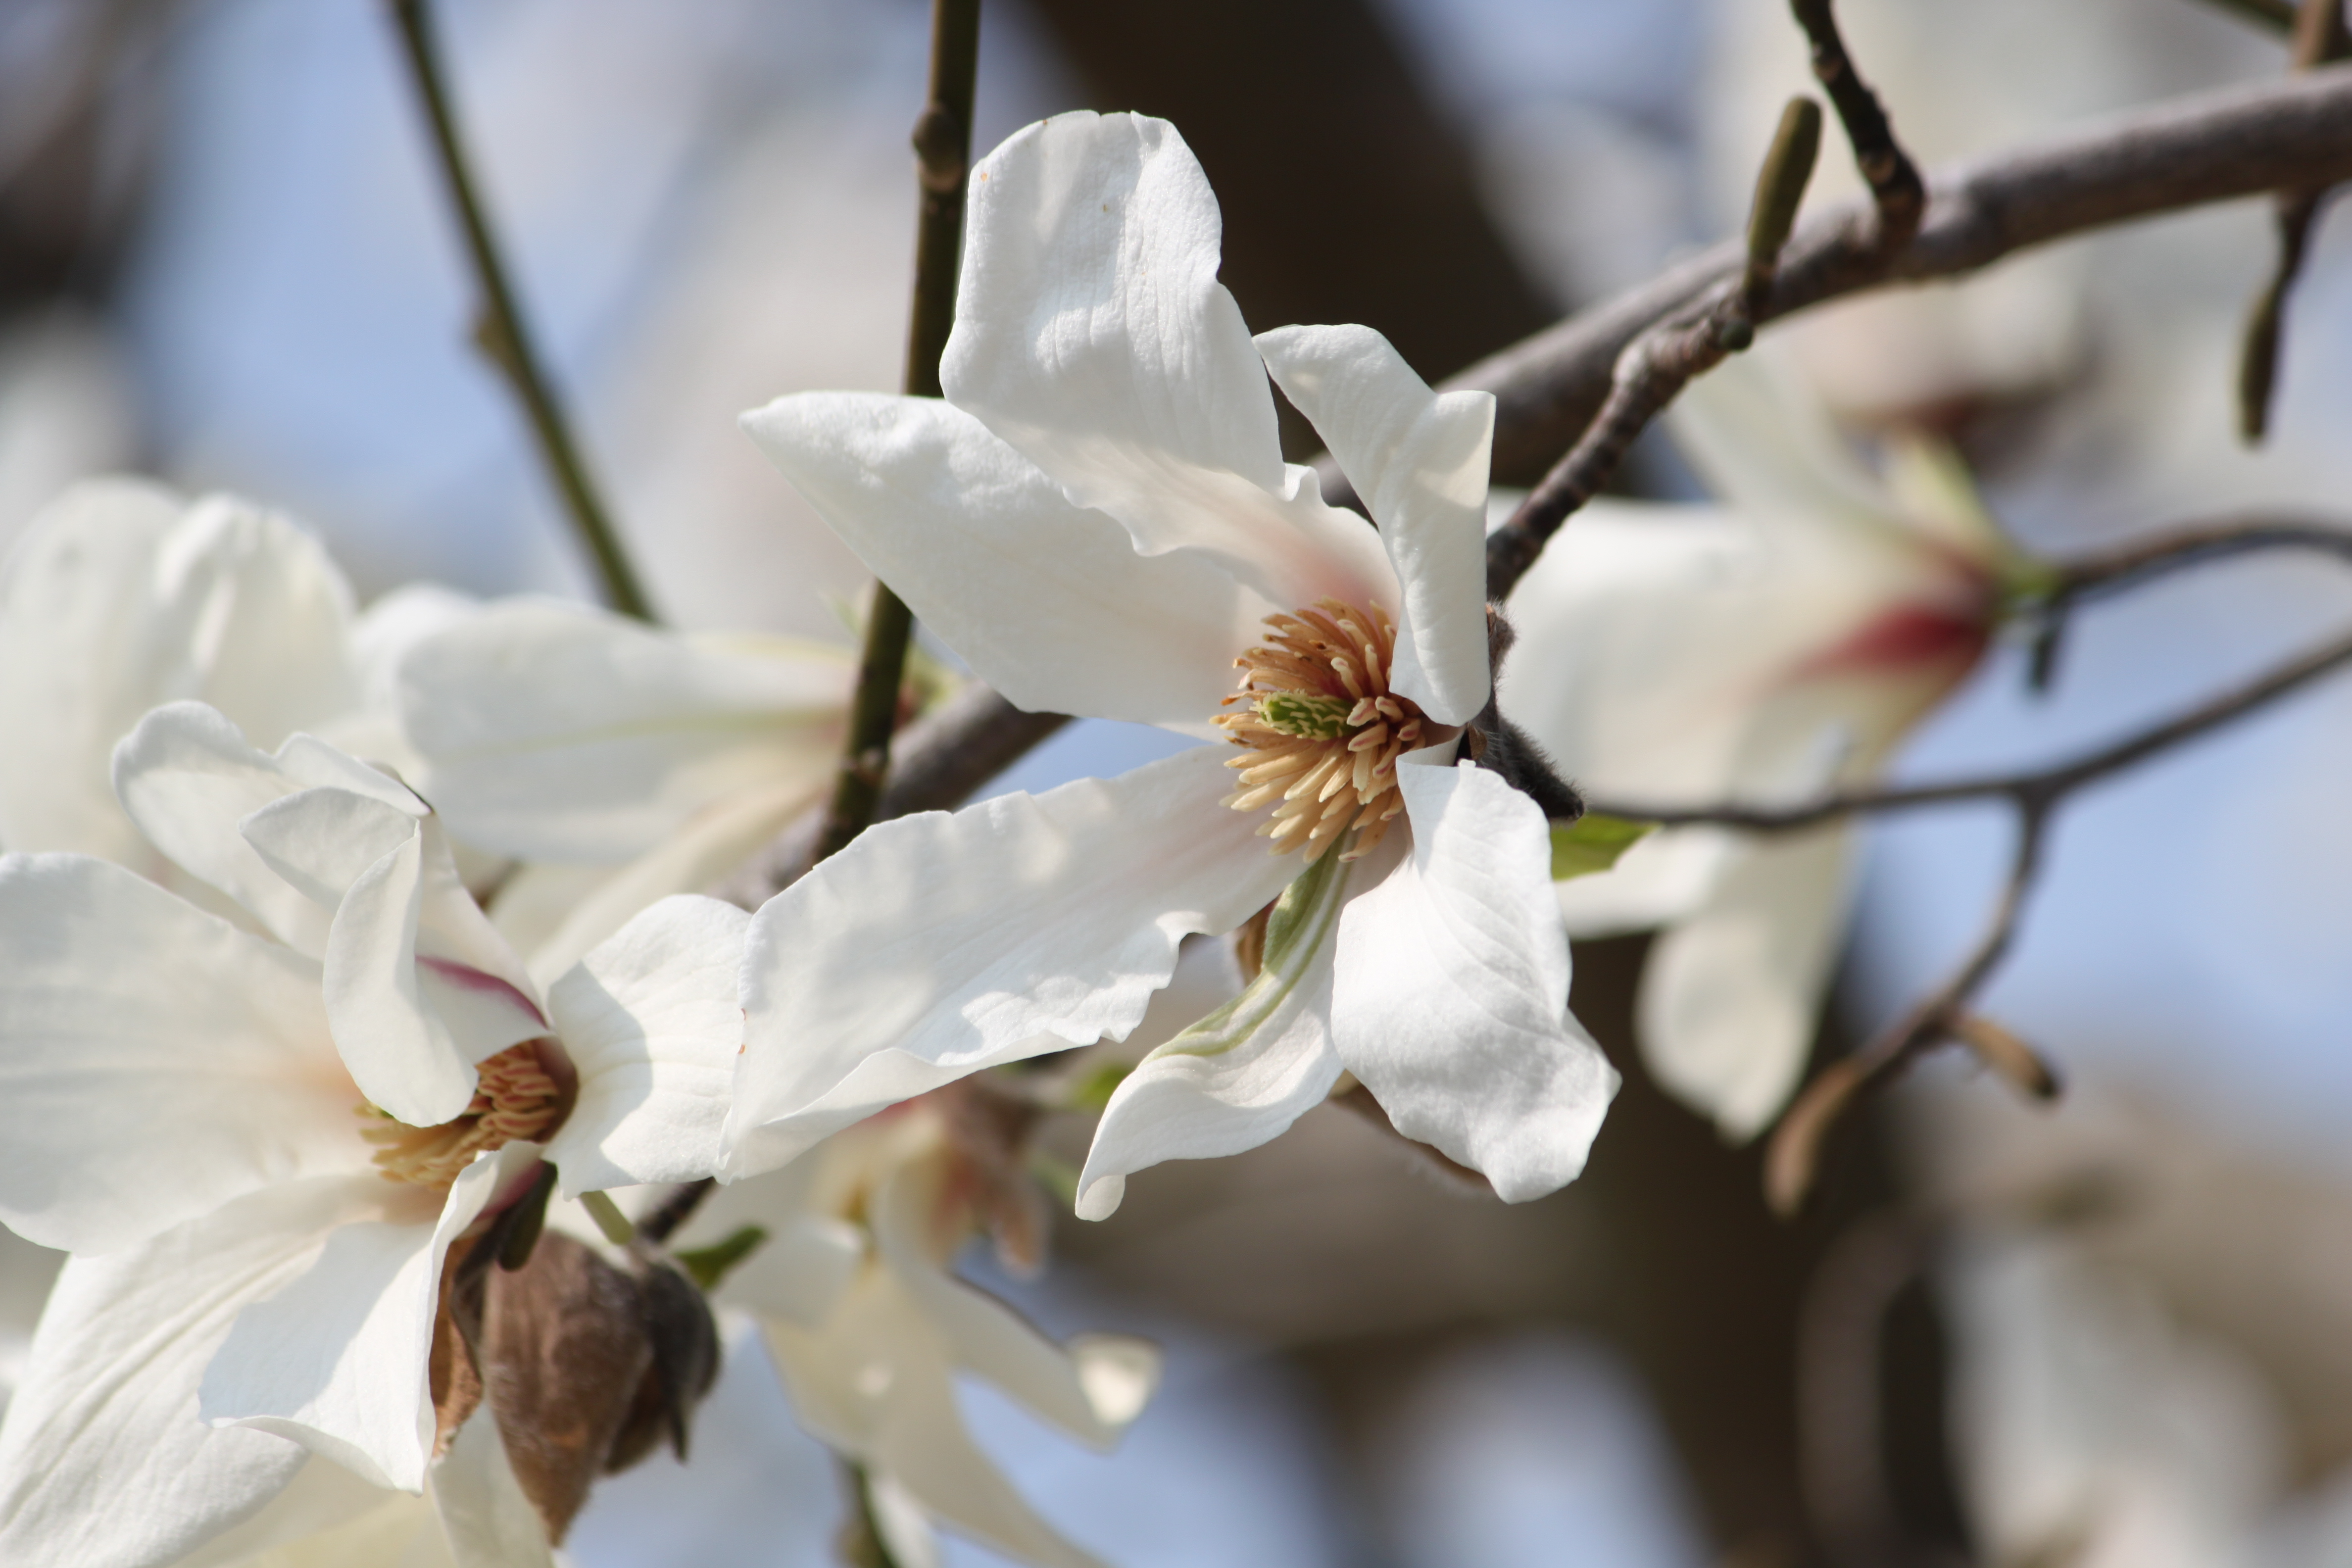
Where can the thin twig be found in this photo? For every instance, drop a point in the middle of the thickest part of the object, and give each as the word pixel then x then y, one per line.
pixel 2276 15
pixel 2207 148
pixel 943 758
pixel 942 160
pixel 501 335
pixel 1794 1153
pixel 2043 785
pixel 2320 35
pixel 1895 188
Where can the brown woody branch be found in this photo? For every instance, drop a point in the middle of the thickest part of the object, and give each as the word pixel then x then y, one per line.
pixel 2210 147
pixel 1895 189
pixel 2320 35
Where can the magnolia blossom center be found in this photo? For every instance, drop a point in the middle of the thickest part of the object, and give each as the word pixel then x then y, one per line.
pixel 1323 730
pixel 519 1095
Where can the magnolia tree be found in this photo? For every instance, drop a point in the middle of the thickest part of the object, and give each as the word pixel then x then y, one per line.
pixel 419 1024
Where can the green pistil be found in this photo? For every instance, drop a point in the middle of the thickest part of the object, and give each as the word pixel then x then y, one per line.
pixel 1308 718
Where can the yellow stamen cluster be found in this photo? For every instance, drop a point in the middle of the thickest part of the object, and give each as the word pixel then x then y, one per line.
pixel 1324 731
pixel 516 1097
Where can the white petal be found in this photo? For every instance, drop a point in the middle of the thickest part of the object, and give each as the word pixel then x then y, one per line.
pixel 1021 923
pixel 557 731
pixel 1665 877
pixel 1731 997
pixel 579 907
pixel 1451 996
pixel 1092 334
pixel 189 779
pixel 486 1519
pixel 986 1337
pixel 155 1062
pixel 1245 1072
pixel 335 1359
pixel 271 631
pixel 800 1272
pixel 400 1051
pixel 104 1462
pixel 878 1384
pixel 1419 460
pixel 325 1517
pixel 83 653
pixel 964 528
pixel 652 1023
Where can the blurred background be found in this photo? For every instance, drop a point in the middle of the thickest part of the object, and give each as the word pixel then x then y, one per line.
pixel 2111 1332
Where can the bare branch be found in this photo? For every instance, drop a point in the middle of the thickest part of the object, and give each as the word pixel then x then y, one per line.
pixel 2320 35
pixel 943 758
pixel 1894 180
pixel 2210 147
pixel 500 331
pixel 943 165
pixel 2031 789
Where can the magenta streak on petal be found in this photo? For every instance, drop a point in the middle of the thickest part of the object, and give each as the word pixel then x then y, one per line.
pixel 470 978
pixel 1905 637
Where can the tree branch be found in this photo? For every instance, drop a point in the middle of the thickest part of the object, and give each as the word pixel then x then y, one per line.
pixel 500 333
pixel 943 164
pixel 1894 180
pixel 2210 147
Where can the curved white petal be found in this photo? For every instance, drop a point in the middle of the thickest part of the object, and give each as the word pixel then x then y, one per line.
pixel 271 631
pixel 118 600
pixel 985 1337
pixel 1023 923
pixel 1091 334
pixel 104 1462
pixel 653 1026
pixel 155 1061
pixel 562 732
pixel 485 1517
pixel 1450 1000
pixel 1048 602
pixel 1665 877
pixel 335 1359
pixel 1419 460
pixel 402 1052
pixel 877 1382
pixel 325 1517
pixel 969 920
pixel 1731 997
pixel 83 654
pixel 578 907
pixel 190 780
pixel 1242 1075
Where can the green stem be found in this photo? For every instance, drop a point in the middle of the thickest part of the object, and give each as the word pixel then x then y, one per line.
pixel 500 331
pixel 943 158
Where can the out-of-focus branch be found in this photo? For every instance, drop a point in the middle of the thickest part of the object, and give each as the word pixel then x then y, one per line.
pixel 500 331
pixel 2210 147
pixel 1663 360
pixel 943 758
pixel 1795 1150
pixel 2027 789
pixel 1894 180
pixel 2320 35
pixel 943 164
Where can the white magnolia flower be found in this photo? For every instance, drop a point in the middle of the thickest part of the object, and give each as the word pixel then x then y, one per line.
pixel 620 763
pixel 1758 650
pixel 121 596
pixel 857 1298
pixel 261 1149
pixel 1099 520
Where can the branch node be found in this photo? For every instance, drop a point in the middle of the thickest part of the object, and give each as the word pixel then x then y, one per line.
pixel 1896 187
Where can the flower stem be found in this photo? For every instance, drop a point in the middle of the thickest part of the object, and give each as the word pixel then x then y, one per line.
pixel 500 333
pixel 943 156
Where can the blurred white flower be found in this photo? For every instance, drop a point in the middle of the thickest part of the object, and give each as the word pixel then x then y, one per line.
pixel 1758 650
pixel 261 1148
pixel 1098 518
pixel 858 1297
pixel 620 763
